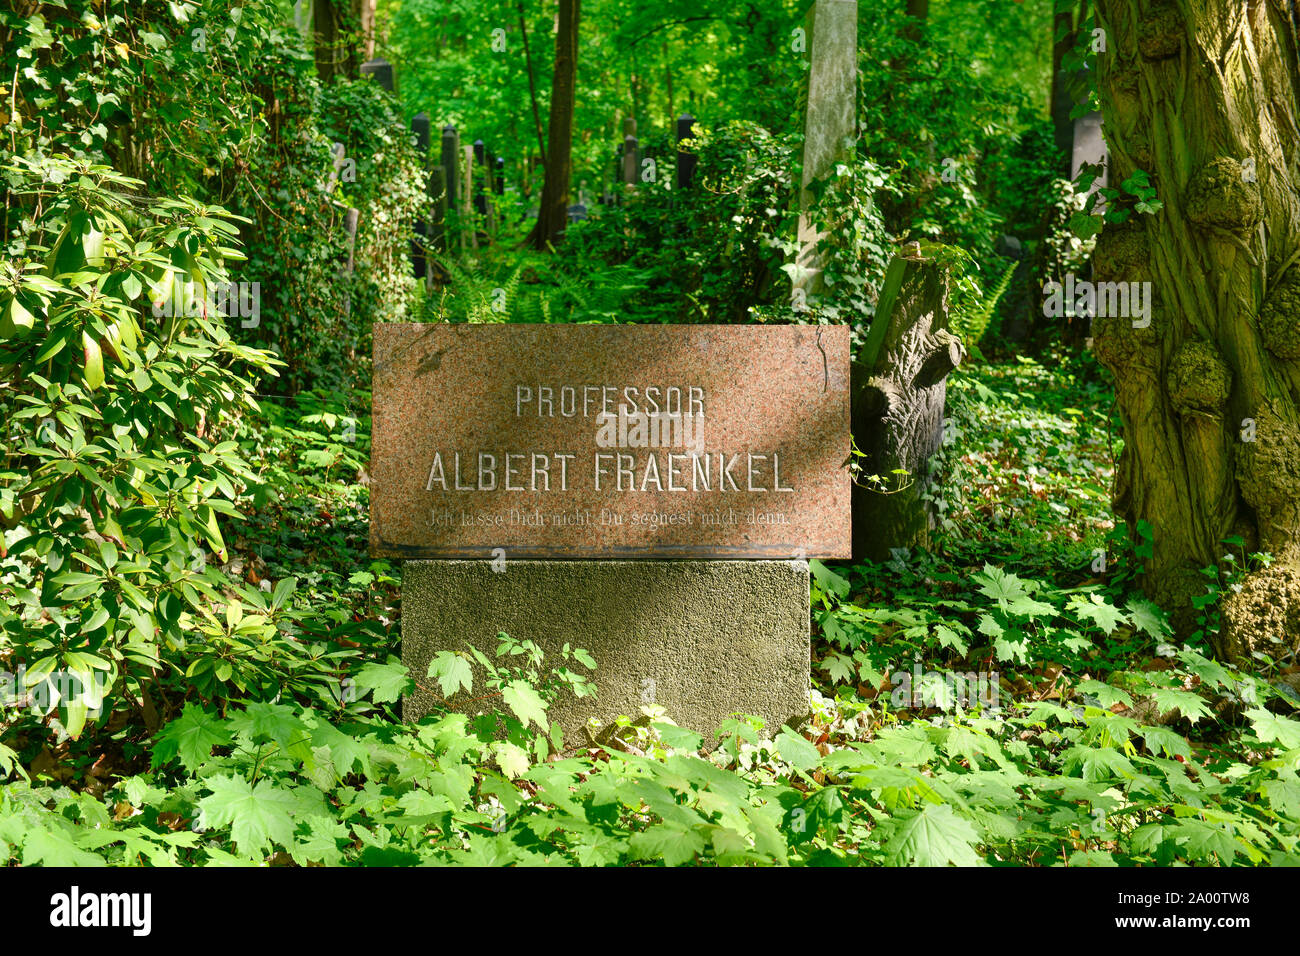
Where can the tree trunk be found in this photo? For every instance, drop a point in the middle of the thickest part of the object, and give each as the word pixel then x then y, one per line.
pixel 1205 96
pixel 553 211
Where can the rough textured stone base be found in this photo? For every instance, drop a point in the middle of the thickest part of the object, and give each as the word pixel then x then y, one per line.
pixel 704 639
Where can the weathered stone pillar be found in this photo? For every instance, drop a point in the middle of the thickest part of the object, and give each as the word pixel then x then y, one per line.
pixel 899 392
pixel 831 118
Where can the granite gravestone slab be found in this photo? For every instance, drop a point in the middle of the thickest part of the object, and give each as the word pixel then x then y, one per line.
pixel 694 446
pixel 558 441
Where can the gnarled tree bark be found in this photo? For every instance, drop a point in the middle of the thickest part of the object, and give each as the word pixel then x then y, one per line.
pixel 1205 96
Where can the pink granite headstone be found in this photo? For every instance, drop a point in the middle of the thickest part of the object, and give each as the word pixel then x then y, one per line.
pixel 610 441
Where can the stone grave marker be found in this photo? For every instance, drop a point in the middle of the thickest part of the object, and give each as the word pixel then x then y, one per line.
pixel 830 121
pixel 650 493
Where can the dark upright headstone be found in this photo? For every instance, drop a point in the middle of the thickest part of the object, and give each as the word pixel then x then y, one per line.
pixel 480 160
pixel 420 244
pixel 420 127
pixel 381 70
pixel 450 178
pixel 630 164
pixel 686 161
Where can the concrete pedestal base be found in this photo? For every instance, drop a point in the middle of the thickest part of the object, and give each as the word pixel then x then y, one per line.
pixel 704 639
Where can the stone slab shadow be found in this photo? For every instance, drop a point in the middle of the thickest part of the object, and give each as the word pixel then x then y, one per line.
pixel 704 639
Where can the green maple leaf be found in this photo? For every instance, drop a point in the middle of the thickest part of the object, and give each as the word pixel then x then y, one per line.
pixel 947 637
pixel 1203 840
pixel 512 760
pixel 679 738
pixel 270 721
pixel 1106 694
pixel 1271 728
pixel 388 680
pixel 1097 763
pixel 1028 607
pixel 1148 618
pixel 55 848
pixel 453 672
pixel 933 837
pixel 673 845
pixel 828 580
pixel 257 815
pixel 321 842
pixel 797 750
pixel 1000 585
pixel 525 702
pixel 1162 738
pixel 1096 609
pixel 345 752
pixel 1191 705
pixel 839 667
pixel 191 737
pixel 1007 649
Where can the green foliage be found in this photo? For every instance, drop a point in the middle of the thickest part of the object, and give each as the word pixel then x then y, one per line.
pixel 218 101
pixel 1045 784
pixel 117 456
pixel 973 308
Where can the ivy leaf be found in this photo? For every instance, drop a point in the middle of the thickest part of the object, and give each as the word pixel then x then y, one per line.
pixel 1083 225
pixel 191 737
pixel 933 837
pixel 257 815
pixel 525 702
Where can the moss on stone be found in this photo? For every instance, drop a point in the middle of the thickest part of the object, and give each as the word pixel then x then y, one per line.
pixel 1218 195
pixel 1263 615
pixel 1279 319
pixel 1198 380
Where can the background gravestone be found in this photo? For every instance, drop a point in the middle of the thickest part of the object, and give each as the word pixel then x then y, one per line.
pixel 831 120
